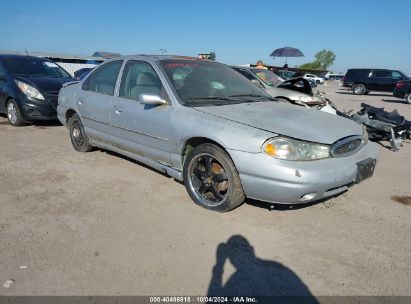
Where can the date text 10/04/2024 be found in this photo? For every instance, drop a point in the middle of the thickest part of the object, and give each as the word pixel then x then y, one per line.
pixel 200 299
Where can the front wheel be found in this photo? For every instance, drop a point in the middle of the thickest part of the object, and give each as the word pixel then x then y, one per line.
pixel 359 89
pixel 408 98
pixel 14 115
pixel 211 179
pixel 78 136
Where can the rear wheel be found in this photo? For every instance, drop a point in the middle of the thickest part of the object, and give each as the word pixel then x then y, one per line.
pixel 78 136
pixel 408 98
pixel 359 89
pixel 14 115
pixel 211 179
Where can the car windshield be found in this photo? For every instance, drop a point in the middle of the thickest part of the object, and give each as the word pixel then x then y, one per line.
pixel 204 82
pixel 405 75
pixel 268 77
pixel 34 67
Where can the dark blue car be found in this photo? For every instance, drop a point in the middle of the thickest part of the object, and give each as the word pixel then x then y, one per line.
pixel 403 90
pixel 29 88
pixel 80 74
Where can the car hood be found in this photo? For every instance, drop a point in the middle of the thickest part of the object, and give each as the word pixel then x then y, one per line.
pixel 288 120
pixel 44 84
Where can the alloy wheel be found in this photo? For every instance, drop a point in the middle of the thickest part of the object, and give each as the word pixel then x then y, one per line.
pixel 359 90
pixel 208 180
pixel 12 112
pixel 77 134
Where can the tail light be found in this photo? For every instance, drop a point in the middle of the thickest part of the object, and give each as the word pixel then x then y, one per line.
pixel 400 85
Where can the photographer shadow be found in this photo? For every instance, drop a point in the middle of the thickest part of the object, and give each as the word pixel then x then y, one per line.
pixel 254 276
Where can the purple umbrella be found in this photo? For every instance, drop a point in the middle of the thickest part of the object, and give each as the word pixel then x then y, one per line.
pixel 287 52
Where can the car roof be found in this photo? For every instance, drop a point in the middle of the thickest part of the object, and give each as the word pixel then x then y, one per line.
pixel 157 57
pixel 13 56
pixel 367 69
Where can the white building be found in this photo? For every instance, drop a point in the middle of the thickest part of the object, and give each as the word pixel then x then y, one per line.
pixel 70 63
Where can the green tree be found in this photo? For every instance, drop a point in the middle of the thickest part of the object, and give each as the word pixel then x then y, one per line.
pixel 311 66
pixel 323 60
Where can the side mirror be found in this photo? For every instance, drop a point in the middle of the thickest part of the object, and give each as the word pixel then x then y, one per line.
pixel 152 100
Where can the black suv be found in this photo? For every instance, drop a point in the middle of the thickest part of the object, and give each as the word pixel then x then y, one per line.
pixel 29 88
pixel 362 81
pixel 403 90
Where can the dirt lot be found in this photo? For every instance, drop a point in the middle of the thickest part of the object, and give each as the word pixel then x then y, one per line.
pixel 100 224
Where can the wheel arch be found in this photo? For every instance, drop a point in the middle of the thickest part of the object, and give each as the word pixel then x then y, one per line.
pixel 193 142
pixel 7 101
pixel 359 82
pixel 69 114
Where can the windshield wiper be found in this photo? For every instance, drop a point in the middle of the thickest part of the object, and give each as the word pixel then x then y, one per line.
pixel 212 98
pixel 254 96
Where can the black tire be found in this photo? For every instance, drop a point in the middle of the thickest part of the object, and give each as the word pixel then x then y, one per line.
pixel 225 183
pixel 359 89
pixel 78 136
pixel 407 98
pixel 367 92
pixel 13 114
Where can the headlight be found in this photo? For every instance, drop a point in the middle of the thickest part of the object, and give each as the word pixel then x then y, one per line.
pixel 306 98
pixel 29 90
pixel 292 149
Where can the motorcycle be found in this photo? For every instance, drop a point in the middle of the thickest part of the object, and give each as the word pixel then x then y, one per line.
pixel 382 125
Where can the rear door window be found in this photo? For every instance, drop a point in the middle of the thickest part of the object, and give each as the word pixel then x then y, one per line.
pixel 359 73
pixel 103 80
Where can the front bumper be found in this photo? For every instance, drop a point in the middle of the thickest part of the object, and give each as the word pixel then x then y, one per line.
pixel 61 116
pixel 38 109
pixel 272 180
pixel 399 93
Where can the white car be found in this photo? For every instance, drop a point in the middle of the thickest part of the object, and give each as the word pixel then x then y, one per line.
pixel 314 78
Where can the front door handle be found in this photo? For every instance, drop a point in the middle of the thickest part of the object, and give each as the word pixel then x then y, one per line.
pixel 118 109
pixel 81 100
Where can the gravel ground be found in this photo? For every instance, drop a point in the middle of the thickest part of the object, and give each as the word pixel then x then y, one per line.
pixel 100 224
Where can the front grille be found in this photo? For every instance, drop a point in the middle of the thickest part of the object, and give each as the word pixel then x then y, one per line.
pixel 52 98
pixel 51 94
pixel 346 146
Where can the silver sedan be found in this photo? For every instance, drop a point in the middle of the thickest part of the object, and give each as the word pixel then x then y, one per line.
pixel 203 123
